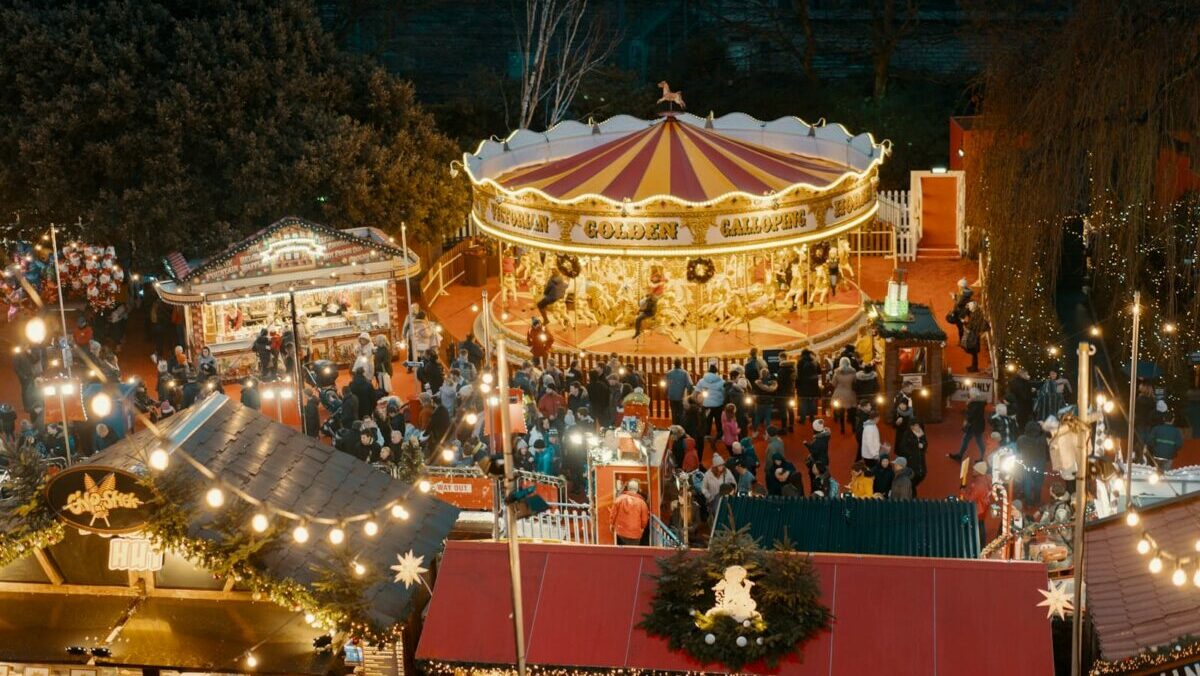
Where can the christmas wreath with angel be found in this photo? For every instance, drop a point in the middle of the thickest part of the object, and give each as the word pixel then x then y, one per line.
pixel 735 604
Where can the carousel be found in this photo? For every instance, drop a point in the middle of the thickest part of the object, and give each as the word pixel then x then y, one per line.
pixel 679 235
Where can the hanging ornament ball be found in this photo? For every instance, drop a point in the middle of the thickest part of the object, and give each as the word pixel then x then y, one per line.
pixel 760 641
pixel 746 623
pixel 710 639
pixel 742 641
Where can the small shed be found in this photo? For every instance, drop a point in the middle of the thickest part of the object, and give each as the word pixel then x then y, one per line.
pixel 913 350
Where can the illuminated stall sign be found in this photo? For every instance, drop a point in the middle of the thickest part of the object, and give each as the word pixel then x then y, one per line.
pixel 136 554
pixel 102 500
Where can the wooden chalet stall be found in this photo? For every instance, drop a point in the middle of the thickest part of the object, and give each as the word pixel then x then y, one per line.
pixel 114 570
pixel 344 282
pixel 913 347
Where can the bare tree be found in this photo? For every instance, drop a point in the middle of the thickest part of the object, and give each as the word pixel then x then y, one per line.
pixel 887 29
pixel 561 42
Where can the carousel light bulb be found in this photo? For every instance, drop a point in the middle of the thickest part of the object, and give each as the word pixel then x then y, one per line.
pixel 268 393
pixel 485 388
pixel 1156 564
pixel 1143 546
pixel 49 390
pixel 474 307
pixel 1132 518
pixel 1197 545
pixel 1178 577
pixel 662 382
pixel 543 336
pixel 336 535
pixel 403 345
pixel 504 316
pixel 399 512
pixel 260 522
pixel 300 534
pixel 35 330
pixel 423 485
pixel 487 378
pixel 159 459
pixel 494 400
pixel 370 528
pixel 251 660
pixel 1196 577
pixel 471 418
pixel 102 405
pixel 215 497
pixel 248 383
pixel 1152 479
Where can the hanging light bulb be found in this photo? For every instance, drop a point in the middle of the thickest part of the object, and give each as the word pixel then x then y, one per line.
pixel 1108 407
pixel 300 533
pixel 1196 577
pixel 487 378
pixel 494 400
pixel 485 388
pixel 336 535
pixel 1109 444
pixel 1132 518
pixel 423 485
pixel 1143 546
pixel 215 497
pixel 1197 545
pixel 1178 577
pixel 359 569
pixel 448 454
pixel 159 459
pixel 399 512
pixel 260 522
pixel 471 418
pixel 1156 564
pixel 1153 478
pixel 371 528
pixel 251 660
pixel 102 405
pixel 35 330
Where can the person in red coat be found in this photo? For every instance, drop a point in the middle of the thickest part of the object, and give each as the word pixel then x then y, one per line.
pixel 979 491
pixel 540 341
pixel 630 516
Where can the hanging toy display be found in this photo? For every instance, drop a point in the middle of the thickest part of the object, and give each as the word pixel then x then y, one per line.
pixel 91 273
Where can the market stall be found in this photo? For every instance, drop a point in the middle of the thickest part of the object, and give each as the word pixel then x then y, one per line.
pixel 210 547
pixel 913 347
pixel 679 235
pixel 342 282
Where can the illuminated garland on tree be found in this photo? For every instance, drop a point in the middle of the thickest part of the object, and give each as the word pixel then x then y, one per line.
pixel 781 582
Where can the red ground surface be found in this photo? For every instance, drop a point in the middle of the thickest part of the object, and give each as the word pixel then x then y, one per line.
pixel 930 281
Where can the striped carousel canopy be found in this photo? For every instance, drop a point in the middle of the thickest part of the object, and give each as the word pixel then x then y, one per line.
pixel 672 157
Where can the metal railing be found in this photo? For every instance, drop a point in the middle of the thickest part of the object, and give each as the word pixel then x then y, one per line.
pixel 661 534
pixel 894 210
pixel 559 483
pixel 564 522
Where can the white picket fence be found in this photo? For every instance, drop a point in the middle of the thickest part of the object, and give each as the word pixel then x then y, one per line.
pixel 894 210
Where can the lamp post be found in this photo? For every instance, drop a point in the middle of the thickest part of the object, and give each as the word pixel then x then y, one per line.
pixel 510 514
pixel 1131 412
pixel 1083 385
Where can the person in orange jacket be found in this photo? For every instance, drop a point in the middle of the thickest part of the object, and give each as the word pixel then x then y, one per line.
pixel 630 515
pixel 540 341
pixel 979 491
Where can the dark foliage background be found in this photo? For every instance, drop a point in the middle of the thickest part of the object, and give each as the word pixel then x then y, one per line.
pixel 183 125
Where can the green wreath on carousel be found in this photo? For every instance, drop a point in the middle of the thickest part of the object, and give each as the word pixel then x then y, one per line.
pixel 568 265
pixel 700 270
pixel 735 604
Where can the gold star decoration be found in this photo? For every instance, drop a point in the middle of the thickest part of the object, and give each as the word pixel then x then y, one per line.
pixel 1057 601
pixel 409 569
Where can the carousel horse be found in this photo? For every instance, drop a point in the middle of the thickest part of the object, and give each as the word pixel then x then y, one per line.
pixel 669 96
pixel 843 256
pixel 821 286
pixel 795 293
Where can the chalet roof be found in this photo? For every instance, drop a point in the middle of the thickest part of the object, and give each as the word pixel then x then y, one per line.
pixel 290 470
pixel 922 326
pixel 931 528
pixel 1132 608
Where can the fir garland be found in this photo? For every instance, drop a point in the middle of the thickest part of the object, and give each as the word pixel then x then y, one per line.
pixel 785 589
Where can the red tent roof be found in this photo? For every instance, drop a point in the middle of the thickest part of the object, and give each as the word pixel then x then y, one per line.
pixel 677 159
pixel 892 615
